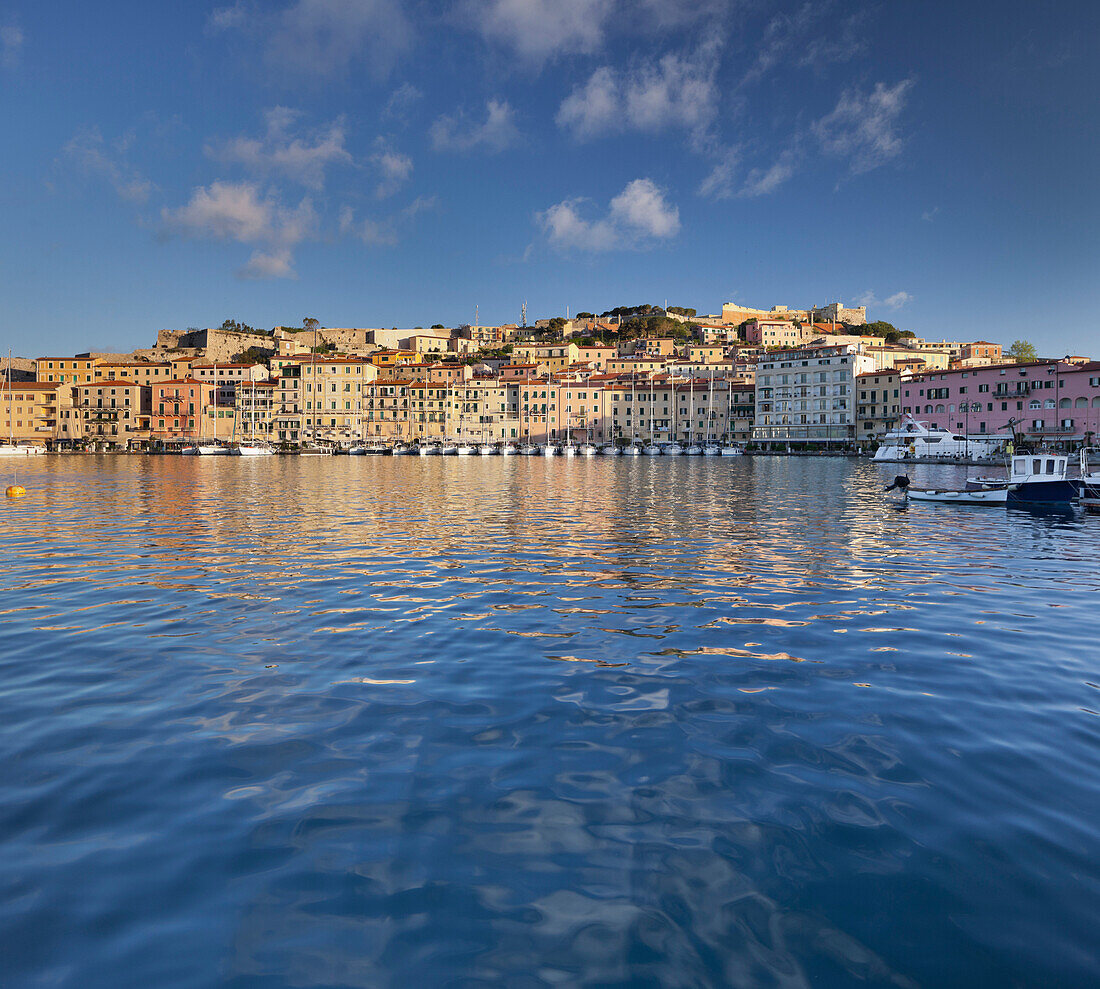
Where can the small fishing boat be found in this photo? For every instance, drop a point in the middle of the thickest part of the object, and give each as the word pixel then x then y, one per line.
pixel 955 496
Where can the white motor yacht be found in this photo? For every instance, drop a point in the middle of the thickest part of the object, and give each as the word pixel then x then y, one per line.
pixel 732 451
pixel 914 440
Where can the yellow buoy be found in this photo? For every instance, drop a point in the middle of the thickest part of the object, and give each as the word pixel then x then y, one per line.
pixel 16 491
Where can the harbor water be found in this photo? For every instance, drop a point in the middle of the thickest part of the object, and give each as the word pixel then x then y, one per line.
pixel 538 723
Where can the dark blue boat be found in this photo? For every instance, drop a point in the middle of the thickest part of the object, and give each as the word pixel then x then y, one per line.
pixel 1040 479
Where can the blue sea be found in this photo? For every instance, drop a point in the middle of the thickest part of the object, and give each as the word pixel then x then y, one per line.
pixel 520 722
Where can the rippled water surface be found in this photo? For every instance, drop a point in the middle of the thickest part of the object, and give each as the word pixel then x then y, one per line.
pixel 404 722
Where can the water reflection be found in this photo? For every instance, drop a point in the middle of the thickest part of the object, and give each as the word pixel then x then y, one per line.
pixel 362 721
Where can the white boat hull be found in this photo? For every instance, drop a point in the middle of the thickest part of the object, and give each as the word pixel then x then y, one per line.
pixel 955 497
pixel 9 450
pixel 255 451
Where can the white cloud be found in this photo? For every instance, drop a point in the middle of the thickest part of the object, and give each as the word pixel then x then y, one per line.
pixel 226 18
pixel 269 264
pixel 718 183
pixel 637 217
pixel 11 45
pixel 540 29
pixel 862 128
pixel 456 133
pixel 895 301
pixel 303 160
pixel 241 212
pixel 393 167
pixel 401 102
pixel 676 92
pixel 930 214
pixel 324 37
pixel 92 155
pixel 762 181
pixel 677 13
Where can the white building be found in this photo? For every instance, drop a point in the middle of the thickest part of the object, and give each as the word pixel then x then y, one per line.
pixel 808 395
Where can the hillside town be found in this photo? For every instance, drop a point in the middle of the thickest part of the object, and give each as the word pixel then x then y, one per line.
pixel 763 380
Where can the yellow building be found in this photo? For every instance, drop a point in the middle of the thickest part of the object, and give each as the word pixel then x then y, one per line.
pixel 65 370
pixel 30 412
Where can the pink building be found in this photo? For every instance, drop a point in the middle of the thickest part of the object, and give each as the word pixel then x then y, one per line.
pixel 1048 401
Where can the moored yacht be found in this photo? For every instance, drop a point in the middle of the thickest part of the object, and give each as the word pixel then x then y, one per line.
pixel 634 449
pixel 652 450
pixel 672 449
pixel 464 449
pixel 610 450
pixel 711 450
pixel 486 449
pixel 588 449
pixel 508 449
pixel 914 440
pixel 733 450
pixel 548 449
pixel 528 449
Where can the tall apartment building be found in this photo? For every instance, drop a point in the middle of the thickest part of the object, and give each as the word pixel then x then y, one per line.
pixel 112 412
pixel 807 395
pixel 878 403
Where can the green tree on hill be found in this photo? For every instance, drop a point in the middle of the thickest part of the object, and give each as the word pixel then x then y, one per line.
pixel 1022 350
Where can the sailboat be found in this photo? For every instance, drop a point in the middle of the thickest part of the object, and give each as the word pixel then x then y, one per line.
pixel 693 448
pixel 213 448
pixel 673 449
pixel 11 448
pixel 710 448
pixel 652 448
pixel 634 449
pixel 252 448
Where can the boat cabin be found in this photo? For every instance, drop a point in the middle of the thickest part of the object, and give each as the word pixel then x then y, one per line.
pixel 1038 467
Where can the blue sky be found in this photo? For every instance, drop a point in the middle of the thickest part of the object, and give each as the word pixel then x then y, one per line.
pixel 378 163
